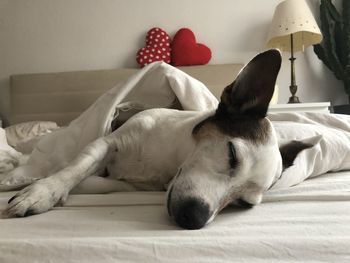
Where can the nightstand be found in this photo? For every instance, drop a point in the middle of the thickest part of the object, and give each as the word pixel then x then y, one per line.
pixel 300 107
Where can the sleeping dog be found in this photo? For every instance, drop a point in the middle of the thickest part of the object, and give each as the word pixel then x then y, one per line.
pixel 207 159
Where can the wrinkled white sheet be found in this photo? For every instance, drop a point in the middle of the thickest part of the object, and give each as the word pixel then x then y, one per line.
pixel 158 85
pixel 305 223
pixel 330 133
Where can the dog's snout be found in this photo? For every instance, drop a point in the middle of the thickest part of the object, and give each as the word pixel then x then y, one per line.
pixel 192 214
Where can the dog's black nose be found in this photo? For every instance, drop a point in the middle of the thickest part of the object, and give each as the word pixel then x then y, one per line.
pixel 192 214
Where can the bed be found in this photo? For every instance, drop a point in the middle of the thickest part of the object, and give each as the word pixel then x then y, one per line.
pixel 307 222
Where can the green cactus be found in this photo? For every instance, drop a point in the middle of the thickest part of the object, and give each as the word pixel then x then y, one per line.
pixel 334 50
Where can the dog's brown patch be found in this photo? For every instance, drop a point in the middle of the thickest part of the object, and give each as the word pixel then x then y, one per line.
pixel 254 129
pixel 206 129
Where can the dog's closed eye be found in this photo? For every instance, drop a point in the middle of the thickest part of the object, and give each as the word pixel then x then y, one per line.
pixel 232 155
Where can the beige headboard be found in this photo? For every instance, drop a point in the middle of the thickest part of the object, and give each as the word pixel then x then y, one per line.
pixel 61 97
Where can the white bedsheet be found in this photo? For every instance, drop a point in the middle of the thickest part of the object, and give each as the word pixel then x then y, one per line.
pixel 308 222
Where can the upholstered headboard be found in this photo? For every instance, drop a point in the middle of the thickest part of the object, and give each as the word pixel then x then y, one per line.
pixel 61 97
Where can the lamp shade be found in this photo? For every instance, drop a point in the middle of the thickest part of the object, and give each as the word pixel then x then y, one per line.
pixel 293 17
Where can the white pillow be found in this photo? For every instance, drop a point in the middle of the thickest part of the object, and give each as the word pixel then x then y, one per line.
pixel 28 130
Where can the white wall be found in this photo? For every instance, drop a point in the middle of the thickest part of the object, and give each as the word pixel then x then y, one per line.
pixel 64 35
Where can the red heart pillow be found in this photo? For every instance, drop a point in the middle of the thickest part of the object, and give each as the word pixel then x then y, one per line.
pixel 157 47
pixel 185 51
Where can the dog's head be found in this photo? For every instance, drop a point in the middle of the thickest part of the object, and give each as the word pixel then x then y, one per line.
pixel 236 157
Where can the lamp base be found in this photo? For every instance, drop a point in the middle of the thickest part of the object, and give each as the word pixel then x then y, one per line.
pixel 293 99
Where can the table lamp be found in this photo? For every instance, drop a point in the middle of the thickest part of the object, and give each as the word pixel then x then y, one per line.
pixel 293 29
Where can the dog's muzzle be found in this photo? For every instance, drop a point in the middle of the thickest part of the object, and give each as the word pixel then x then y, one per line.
pixel 190 213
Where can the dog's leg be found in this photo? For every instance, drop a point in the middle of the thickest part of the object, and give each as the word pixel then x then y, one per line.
pixel 47 192
pixel 101 185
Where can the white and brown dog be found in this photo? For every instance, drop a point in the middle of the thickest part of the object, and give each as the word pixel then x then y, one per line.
pixel 211 159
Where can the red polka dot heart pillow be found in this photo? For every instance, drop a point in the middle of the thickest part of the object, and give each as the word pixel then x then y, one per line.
pixel 157 47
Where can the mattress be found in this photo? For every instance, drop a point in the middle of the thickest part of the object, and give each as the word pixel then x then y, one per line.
pixel 308 222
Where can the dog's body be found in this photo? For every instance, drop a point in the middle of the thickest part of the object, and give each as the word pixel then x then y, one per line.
pixel 149 154
pixel 210 159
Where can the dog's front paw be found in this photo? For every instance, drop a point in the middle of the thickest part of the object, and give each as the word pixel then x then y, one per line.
pixel 36 198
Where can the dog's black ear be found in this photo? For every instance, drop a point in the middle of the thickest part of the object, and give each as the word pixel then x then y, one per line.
pixel 251 92
pixel 289 152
